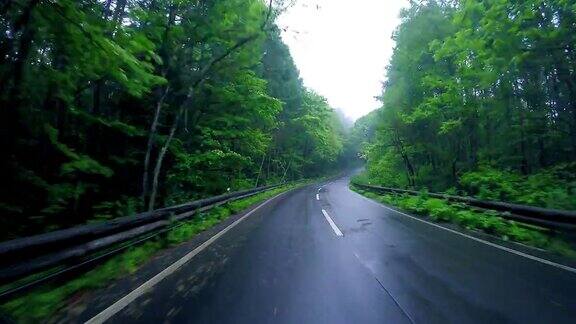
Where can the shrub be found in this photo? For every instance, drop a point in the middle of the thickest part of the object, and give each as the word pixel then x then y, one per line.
pixel 413 203
pixel 488 221
pixel 552 188
pixel 467 219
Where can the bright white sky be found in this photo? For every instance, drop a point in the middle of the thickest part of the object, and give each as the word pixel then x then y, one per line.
pixel 342 47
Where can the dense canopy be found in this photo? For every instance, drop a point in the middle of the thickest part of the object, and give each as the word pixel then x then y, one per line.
pixel 118 106
pixel 481 96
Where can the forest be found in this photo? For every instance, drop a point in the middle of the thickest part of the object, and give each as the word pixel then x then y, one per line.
pixel 112 107
pixel 119 108
pixel 479 99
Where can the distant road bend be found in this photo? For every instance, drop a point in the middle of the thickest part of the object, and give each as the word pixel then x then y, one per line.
pixel 324 254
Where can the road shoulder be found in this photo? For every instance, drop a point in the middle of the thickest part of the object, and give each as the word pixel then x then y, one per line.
pixel 494 241
pixel 88 304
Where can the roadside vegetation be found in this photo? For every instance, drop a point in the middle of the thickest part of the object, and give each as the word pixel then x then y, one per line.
pixel 110 108
pixel 553 187
pixel 42 303
pixel 439 210
pixel 482 104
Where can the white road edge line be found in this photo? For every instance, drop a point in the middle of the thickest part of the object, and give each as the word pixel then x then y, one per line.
pixel 332 224
pixel 133 295
pixel 317 197
pixel 522 254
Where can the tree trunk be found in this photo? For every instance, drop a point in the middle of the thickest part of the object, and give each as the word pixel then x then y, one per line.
pixel 24 47
pixel 409 168
pixel 150 144
pixel 268 165
pixel 160 160
pixel 197 84
pixel 454 171
pixel 260 170
pixel 565 76
pixel 524 167
pixel 96 96
pixel 541 153
pixel 286 171
pixel 153 127
pixel 572 96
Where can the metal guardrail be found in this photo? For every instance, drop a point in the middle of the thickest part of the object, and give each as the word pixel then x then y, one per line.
pixel 78 247
pixel 544 217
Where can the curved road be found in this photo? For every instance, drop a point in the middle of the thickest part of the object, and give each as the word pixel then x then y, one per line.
pixel 287 263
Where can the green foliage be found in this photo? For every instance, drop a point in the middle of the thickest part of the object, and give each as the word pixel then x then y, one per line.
pixel 42 303
pixel 378 169
pixel 200 223
pixel 484 101
pixel 553 188
pixel 125 206
pixel 440 210
pixel 412 203
pixel 78 163
pixel 93 89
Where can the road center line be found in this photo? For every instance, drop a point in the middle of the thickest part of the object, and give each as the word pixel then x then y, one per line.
pixel 145 287
pixel 317 197
pixel 332 224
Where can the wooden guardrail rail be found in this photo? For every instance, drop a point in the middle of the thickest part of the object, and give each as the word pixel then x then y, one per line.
pixel 545 217
pixel 71 249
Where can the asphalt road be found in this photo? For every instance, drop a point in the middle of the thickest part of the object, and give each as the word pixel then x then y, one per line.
pixel 286 263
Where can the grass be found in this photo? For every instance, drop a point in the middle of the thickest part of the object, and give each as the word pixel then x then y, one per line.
pixel 215 215
pixel 489 222
pixel 42 303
